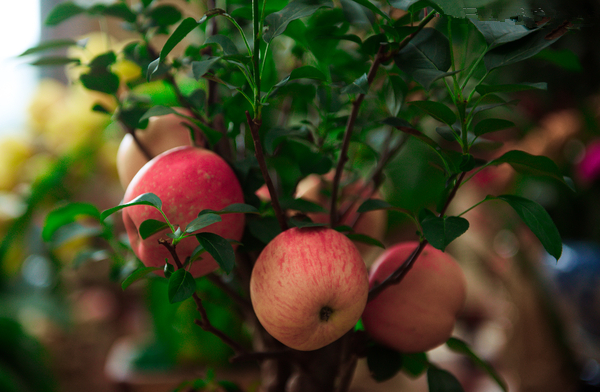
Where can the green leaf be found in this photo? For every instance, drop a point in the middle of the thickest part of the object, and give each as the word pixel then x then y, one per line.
pixel 537 165
pixel 453 8
pixel 426 58
pixel 66 214
pixel 229 48
pixel 539 222
pixel 74 230
pixel 277 22
pixel 264 229
pixel 305 223
pixel 461 347
pixel 118 10
pixel 499 32
pixel 359 86
pixel 484 89
pixel 54 44
pixel 157 110
pixel 519 50
pixel 365 239
pixel 441 231
pixel 219 248
pixel 276 135
pixel 307 72
pixel 185 27
pixel 238 208
pixel 482 108
pixel 53 60
pixel 440 380
pixel 492 125
pixel 201 222
pixel 383 362
pixel 137 275
pixel 374 204
pixel 103 81
pixel 414 364
pixel 168 270
pixel 181 286
pixel 229 386
pixel 150 227
pixel 165 15
pixel 437 110
pixel 373 8
pixel 62 12
pixel 300 205
pixel 145 199
pixel 103 61
pixel 564 58
pixel 200 68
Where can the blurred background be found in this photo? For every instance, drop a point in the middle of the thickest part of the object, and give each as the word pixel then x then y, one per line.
pixel 66 324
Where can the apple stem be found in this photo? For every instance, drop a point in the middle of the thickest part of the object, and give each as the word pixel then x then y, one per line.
pixel 254 125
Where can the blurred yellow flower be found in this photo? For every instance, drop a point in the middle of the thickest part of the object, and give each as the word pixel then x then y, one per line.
pixel 14 151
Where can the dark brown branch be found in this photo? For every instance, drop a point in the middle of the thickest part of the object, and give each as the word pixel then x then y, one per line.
pixel 203 322
pixel 254 126
pixel 259 356
pixel 136 140
pixel 399 274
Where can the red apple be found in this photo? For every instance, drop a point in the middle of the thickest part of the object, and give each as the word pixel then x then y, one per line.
pixel 309 287
pixel 162 134
pixel 417 314
pixel 187 180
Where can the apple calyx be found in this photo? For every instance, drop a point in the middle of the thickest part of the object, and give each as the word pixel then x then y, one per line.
pixel 325 313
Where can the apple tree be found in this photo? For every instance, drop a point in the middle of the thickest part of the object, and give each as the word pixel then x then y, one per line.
pixel 271 94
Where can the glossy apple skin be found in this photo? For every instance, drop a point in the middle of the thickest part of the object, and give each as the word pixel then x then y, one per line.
pixel 187 180
pixel 161 134
pixel 419 313
pixel 300 272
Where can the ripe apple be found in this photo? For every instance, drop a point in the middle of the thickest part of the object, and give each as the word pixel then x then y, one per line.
pixel 309 287
pixel 162 134
pixel 187 180
pixel 417 314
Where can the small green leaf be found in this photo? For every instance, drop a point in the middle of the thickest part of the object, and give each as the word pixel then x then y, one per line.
pixel 238 208
pixel 539 222
pixel 440 380
pixel 485 89
pixel 118 10
pixel 146 199
pixel 201 222
pixel 365 239
pixel 137 275
pixel 500 32
pixel 219 248
pixel 492 125
pixel 481 108
pixel 103 81
pixel 74 230
pixel 307 72
pixel 66 214
pixel 373 8
pixel 441 231
pixel 461 347
pixel 181 286
pixel 229 48
pixel 200 68
pixel 229 386
pixel 301 205
pixel 46 45
pixel 165 15
pixel 437 110
pixel 383 362
pixel 150 227
pixel 103 61
pixel 53 60
pixel 168 269
pixel 374 204
pixel 277 22
pixel 415 364
pixel 305 223
pixel 185 27
pixel 62 12
pixel 359 86
pixel 157 110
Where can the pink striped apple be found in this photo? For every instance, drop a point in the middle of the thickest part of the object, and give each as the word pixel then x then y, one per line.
pixel 309 287
pixel 419 313
pixel 187 180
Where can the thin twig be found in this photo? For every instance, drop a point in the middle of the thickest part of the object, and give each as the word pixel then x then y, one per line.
pixel 204 322
pixel 235 296
pixel 254 126
pixel 399 274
